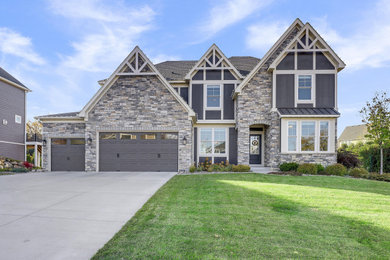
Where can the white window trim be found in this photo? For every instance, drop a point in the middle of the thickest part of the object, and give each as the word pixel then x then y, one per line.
pixel 18 119
pixel 313 89
pixel 316 137
pixel 212 155
pixel 296 135
pixel 220 96
pixel 319 136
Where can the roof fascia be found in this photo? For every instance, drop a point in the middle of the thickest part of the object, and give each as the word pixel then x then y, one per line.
pixel 15 84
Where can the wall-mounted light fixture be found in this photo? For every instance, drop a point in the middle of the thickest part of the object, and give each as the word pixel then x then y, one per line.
pixel 184 140
pixel 44 142
pixel 89 140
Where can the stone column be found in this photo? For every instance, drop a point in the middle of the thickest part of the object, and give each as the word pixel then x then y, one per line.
pixel 90 149
pixel 243 144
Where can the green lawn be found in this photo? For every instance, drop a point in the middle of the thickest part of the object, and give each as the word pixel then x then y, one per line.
pixel 259 216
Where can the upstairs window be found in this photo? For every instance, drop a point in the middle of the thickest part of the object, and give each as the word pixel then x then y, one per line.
pixel 305 88
pixel 18 119
pixel 213 96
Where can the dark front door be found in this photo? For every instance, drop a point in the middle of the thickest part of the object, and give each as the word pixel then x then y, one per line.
pixel 67 154
pixel 138 152
pixel 255 149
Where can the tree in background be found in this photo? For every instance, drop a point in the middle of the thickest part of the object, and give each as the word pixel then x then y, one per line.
pixel 33 128
pixel 376 115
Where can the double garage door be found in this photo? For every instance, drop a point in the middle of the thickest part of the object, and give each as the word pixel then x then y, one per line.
pixel 138 151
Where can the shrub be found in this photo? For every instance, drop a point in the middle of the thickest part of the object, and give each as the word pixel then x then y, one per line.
pixel 291 166
pixel 371 159
pixel 228 168
pixel 307 168
pixel 19 170
pixel 320 168
pixel 192 168
pixel 348 159
pixel 358 172
pixel 336 169
pixel 28 165
pixel 241 168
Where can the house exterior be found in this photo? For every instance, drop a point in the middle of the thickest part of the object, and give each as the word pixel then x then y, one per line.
pixel 12 116
pixel 168 116
pixel 353 134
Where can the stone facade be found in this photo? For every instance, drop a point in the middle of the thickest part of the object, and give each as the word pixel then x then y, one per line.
pixel 322 158
pixel 53 130
pixel 138 103
pixel 254 105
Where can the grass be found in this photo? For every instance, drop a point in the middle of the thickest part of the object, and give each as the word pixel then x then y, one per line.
pixel 258 216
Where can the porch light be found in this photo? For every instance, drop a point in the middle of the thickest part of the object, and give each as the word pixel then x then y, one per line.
pixel 44 143
pixel 89 141
pixel 184 140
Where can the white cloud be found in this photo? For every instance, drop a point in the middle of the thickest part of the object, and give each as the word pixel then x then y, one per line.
pixel 228 13
pixel 109 31
pixel 13 43
pixel 163 57
pixel 262 36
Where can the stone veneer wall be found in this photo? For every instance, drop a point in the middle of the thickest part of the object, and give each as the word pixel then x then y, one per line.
pixel 254 106
pixel 53 130
pixel 138 103
pixel 325 159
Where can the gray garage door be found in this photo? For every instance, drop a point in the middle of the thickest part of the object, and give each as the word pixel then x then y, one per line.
pixel 138 152
pixel 67 154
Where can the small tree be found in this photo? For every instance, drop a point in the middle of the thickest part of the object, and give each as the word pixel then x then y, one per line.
pixel 34 127
pixel 376 115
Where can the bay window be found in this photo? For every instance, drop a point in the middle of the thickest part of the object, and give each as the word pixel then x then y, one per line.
pixel 212 141
pixel 308 132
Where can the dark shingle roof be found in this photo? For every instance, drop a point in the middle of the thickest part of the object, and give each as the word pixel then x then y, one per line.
pixel 8 76
pixel 70 114
pixel 177 70
pixel 308 111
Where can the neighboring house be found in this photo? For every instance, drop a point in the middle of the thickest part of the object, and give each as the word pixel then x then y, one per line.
pixel 353 134
pixel 12 116
pixel 167 116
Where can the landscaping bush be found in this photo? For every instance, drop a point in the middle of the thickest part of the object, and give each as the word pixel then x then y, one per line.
pixel 336 169
pixel 347 158
pixel 358 172
pixel 19 170
pixel 28 165
pixel 320 168
pixel 241 168
pixel 378 177
pixel 291 166
pixel 192 168
pixel 371 159
pixel 307 168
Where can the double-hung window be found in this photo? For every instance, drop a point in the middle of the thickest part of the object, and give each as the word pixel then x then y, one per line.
pixel 213 99
pixel 212 141
pixel 308 132
pixel 305 88
pixel 292 136
pixel 324 136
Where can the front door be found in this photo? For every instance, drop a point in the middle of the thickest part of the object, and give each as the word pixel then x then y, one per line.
pixel 255 149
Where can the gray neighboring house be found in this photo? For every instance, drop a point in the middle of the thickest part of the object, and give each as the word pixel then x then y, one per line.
pixel 168 116
pixel 12 116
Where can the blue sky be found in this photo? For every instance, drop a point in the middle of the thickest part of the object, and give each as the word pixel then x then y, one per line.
pixel 60 49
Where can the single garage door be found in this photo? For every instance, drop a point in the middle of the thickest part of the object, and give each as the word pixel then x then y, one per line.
pixel 67 154
pixel 138 151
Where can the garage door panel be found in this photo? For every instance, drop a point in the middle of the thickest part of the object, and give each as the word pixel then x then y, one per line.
pixel 68 154
pixel 139 153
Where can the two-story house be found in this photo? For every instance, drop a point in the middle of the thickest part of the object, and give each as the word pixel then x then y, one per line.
pixel 12 116
pixel 245 110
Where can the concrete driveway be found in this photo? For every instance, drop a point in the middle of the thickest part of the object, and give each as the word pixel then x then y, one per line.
pixel 68 215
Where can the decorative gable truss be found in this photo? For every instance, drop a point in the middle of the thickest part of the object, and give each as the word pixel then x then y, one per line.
pixel 214 59
pixel 135 64
pixel 308 40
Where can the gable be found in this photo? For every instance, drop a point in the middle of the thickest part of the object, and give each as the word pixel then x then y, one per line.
pixel 307 44
pixel 135 64
pixel 212 63
pixel 274 51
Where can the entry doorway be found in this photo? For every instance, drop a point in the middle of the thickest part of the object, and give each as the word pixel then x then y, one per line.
pixel 255 149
